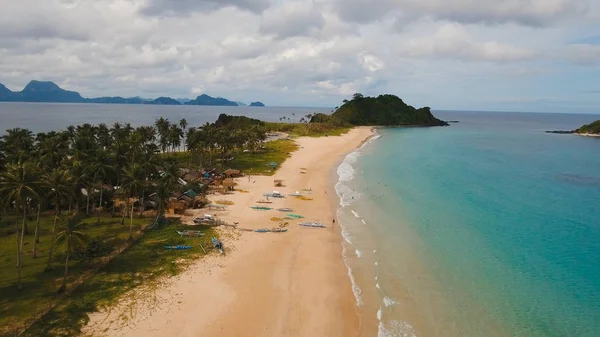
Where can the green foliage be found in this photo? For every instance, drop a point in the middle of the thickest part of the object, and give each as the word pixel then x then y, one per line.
pixel 387 110
pixel 593 128
pixel 308 129
pixel 236 122
pixel 256 163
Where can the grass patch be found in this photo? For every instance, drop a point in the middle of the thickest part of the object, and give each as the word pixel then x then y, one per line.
pixel 39 287
pixel 308 130
pixel 256 163
pixel 145 262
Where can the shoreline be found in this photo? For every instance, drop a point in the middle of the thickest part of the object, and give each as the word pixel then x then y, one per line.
pixel 268 284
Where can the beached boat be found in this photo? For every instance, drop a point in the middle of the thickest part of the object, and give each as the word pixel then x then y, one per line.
pixel 295 216
pixel 217 244
pixel 264 202
pixel 190 233
pixel 297 194
pixel 285 209
pixel 279 230
pixel 263 208
pixel 178 247
pixel 274 194
pixel 262 230
pixel 313 224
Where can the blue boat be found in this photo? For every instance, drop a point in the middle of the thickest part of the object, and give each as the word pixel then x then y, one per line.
pixel 178 247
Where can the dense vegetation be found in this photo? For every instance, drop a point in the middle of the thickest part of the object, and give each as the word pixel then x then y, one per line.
pixel 593 128
pixel 387 110
pixel 66 192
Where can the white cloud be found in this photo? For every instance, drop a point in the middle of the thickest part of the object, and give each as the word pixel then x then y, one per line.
pixel 453 41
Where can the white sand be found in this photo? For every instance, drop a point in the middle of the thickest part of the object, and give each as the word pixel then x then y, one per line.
pixel 273 284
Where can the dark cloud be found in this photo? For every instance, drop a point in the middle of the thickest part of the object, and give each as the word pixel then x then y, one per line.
pixel 185 7
pixel 292 19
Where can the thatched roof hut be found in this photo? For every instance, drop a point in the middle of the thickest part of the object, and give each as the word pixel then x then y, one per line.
pixel 231 173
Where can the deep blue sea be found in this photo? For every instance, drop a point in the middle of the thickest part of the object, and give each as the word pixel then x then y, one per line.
pixel 489 227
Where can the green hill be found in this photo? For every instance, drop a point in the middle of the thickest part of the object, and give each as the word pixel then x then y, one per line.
pixel 385 110
pixel 593 128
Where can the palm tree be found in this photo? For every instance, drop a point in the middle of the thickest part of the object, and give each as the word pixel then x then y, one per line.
pixel 101 166
pixel 133 184
pixel 72 236
pixel 59 184
pixel 183 125
pixel 19 184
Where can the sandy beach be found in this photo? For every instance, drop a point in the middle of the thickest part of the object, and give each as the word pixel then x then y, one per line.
pixel 267 284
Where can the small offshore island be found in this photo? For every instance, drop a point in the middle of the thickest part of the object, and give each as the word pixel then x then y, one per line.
pixel 100 213
pixel 588 130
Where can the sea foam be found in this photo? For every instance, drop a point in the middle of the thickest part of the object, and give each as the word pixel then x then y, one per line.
pixel 388 301
pixel 396 329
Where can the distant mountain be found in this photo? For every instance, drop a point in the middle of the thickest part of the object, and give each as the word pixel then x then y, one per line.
pixel 208 100
pixel 116 100
pixel 46 91
pixel 241 103
pixel 164 101
pixel 42 91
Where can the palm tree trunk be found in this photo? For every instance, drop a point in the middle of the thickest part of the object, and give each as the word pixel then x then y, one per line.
pixel 131 223
pixel 64 283
pixel 49 264
pixel 142 205
pixel 101 190
pixel 100 204
pixel 20 250
pixel 36 239
pixel 87 204
pixel 125 212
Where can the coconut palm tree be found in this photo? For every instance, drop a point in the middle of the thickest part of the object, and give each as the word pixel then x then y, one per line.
pixel 19 186
pixel 72 236
pixel 58 183
pixel 183 125
pixel 132 185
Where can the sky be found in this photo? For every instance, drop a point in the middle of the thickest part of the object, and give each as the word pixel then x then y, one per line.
pixel 506 55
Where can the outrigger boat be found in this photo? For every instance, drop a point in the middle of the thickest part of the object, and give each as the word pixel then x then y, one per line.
pixel 279 230
pixel 217 244
pixel 262 230
pixel 263 208
pixel 285 209
pixel 295 216
pixel 313 224
pixel 190 233
pixel 178 247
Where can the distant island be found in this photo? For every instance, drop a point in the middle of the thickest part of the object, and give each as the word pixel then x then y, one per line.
pixel 383 110
pixel 257 104
pixel 592 130
pixel 49 92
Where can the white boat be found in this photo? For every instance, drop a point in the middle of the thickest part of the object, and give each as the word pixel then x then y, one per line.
pixel 313 224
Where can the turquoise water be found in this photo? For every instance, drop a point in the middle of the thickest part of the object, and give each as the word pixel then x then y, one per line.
pixel 490 227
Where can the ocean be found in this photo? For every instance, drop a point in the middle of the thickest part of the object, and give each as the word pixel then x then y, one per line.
pixel 44 117
pixel 488 227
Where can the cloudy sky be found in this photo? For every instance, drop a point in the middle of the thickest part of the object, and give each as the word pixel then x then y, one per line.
pixel 523 55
